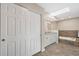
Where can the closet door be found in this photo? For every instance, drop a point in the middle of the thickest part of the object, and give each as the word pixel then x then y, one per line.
pixel 35 33
pixel 23 32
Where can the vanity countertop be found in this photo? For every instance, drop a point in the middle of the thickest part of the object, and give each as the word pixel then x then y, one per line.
pixel 51 32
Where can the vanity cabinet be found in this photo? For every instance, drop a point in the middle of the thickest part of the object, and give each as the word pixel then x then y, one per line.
pixel 51 37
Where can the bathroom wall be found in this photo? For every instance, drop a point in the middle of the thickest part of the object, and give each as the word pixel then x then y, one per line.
pixel 54 25
pixel 51 26
pixel 69 24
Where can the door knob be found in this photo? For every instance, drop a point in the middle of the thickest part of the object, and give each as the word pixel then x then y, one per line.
pixel 3 39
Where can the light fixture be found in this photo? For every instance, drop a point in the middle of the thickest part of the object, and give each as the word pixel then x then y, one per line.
pixel 59 12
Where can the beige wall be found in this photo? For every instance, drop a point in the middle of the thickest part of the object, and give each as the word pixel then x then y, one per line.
pixel 69 24
pixel 54 25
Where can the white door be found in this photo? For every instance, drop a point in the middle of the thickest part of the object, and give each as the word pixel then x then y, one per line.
pixel 13 35
pixel 35 33
pixel 20 31
pixel 8 37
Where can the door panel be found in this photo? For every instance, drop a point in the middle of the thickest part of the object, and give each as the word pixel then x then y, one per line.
pixel 18 53
pixel 3 49
pixel 11 26
pixel 11 48
pixel 23 47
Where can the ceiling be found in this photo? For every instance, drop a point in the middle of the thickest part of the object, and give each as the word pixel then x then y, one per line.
pixel 53 7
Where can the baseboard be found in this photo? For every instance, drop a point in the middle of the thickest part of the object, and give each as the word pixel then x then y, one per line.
pixel 43 50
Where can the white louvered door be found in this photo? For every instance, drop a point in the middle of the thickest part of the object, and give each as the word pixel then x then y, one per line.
pixel 17 30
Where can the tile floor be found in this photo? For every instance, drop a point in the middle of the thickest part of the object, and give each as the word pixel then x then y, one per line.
pixel 60 49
